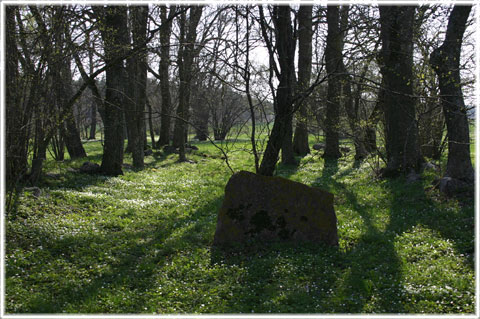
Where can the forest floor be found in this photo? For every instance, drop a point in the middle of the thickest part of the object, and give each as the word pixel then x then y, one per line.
pixel 141 243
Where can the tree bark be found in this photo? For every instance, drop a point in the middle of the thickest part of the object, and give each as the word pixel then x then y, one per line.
pixel 285 45
pixel 333 62
pixel 71 134
pixel 305 33
pixel 93 109
pixel 165 32
pixel 403 152
pixel 150 124
pixel 137 94
pixel 115 43
pixel 446 63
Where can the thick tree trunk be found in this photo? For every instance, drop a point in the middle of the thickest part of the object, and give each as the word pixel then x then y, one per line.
pixel 403 153
pixel 137 67
pixel 305 33
pixel 446 63
pixel 333 61
pixel 115 44
pixel 285 45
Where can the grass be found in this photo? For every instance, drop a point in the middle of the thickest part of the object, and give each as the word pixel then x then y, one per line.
pixel 141 243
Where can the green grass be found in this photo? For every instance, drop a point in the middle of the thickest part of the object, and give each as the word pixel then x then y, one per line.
pixel 141 243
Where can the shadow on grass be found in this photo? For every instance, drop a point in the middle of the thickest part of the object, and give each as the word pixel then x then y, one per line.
pixel 370 262
pixel 410 206
pixel 374 267
pixel 114 262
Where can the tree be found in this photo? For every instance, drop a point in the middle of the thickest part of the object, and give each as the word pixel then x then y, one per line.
pixel 16 116
pixel 136 91
pixel 186 54
pixel 351 100
pixel 334 65
pixel 61 68
pixel 165 32
pixel 305 33
pixel 54 104
pixel 446 62
pixel 283 99
pixel 396 28
pixel 113 29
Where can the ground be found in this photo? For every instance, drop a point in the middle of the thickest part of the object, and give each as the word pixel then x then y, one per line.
pixel 141 243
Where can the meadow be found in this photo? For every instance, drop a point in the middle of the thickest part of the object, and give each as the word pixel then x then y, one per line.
pixel 141 243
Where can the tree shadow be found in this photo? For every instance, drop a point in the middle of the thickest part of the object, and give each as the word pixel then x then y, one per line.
pixel 374 268
pixel 374 253
pixel 115 260
pixel 412 206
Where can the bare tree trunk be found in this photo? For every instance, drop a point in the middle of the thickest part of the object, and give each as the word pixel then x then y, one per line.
pixel 93 110
pixel 137 66
pixel 72 135
pixel 285 45
pixel 333 61
pixel 115 44
pixel 446 63
pixel 165 32
pixel 305 33
pixel 93 121
pixel 403 153
pixel 150 124
pixel 186 56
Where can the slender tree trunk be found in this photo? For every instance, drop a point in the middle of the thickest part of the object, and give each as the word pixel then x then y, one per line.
pixel 72 135
pixel 285 45
pixel 351 102
pixel 93 110
pixel 305 33
pixel 115 43
pixel 403 153
pixel 59 61
pixel 446 63
pixel 333 61
pixel 186 56
pixel 288 45
pixel 150 124
pixel 137 66
pixel 165 32
pixel 93 121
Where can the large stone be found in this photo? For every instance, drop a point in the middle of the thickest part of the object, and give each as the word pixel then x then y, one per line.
pixel 269 208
